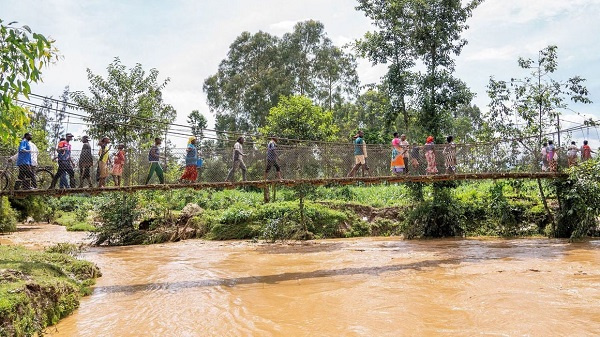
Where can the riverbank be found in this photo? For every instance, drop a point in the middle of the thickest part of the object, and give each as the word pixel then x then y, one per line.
pixel 39 287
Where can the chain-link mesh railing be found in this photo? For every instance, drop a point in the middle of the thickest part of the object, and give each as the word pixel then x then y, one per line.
pixel 308 161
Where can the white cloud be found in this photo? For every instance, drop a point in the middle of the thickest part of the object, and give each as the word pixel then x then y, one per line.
pixel 283 27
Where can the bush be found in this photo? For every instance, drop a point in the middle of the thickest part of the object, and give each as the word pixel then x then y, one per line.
pixel 440 216
pixel 8 217
pixel 119 213
pixel 38 207
pixel 578 199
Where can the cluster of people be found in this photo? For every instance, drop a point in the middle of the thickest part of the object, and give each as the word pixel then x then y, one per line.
pixel 272 160
pixel 405 157
pixel 550 155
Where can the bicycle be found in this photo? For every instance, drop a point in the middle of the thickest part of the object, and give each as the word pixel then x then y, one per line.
pixel 43 176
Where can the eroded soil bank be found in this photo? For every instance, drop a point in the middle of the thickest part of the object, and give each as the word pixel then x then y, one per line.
pixel 350 287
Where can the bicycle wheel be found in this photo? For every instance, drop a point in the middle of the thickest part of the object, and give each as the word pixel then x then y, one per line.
pixel 4 181
pixel 44 178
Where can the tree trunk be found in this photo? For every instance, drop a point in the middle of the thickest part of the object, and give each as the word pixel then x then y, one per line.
pixel 545 203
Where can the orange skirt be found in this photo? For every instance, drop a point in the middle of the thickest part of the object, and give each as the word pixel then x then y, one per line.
pixel 190 173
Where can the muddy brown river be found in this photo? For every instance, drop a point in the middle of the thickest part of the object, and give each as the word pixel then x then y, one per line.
pixel 351 287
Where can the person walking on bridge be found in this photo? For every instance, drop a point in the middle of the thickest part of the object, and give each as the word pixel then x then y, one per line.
pixel 450 153
pixel 404 148
pixel 103 161
pixel 398 164
pixel 572 154
pixel 272 158
pixel 65 163
pixel 191 161
pixel 544 156
pixel 429 149
pixel 238 160
pixel 86 162
pixel 552 156
pixel 26 175
pixel 118 164
pixel 586 151
pixel 360 155
pixel 154 159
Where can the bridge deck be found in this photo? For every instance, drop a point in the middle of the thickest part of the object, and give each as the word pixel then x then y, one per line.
pixel 295 182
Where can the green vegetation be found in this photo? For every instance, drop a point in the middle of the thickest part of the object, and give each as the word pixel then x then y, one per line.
pixel 472 209
pixel 8 216
pixel 578 199
pixel 39 288
pixel 73 222
pixel 24 54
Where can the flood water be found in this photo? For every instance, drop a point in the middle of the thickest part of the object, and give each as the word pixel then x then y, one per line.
pixel 351 287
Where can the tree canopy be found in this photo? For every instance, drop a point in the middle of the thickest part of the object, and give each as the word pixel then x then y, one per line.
pixel 412 33
pixel 296 117
pixel 23 54
pixel 126 106
pixel 260 68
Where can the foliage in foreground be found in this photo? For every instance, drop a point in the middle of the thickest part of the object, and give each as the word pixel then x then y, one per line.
pixel 578 197
pixel 39 288
pixel 8 217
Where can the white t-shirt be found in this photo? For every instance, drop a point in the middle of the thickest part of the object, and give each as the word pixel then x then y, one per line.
pixel 237 147
pixel 34 154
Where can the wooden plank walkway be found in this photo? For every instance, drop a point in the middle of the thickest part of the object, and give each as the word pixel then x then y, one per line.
pixel 291 183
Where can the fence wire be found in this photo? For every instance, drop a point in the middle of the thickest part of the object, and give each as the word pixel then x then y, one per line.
pixel 312 161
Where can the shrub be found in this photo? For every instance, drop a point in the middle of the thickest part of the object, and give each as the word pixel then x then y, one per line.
pixel 119 213
pixel 440 216
pixel 8 217
pixel 578 198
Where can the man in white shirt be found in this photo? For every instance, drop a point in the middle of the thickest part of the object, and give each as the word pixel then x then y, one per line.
pixel 238 160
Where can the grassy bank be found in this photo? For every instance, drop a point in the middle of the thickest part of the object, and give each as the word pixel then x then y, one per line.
pixel 484 208
pixel 39 288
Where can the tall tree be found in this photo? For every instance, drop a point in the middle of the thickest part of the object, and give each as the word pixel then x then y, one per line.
pixel 391 44
pixel 198 123
pixel 260 68
pixel 23 54
pixel 126 106
pixel 248 83
pixel 533 104
pixel 319 70
pixel 436 40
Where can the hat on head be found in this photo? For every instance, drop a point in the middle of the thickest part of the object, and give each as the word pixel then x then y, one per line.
pixel 429 139
pixel 69 135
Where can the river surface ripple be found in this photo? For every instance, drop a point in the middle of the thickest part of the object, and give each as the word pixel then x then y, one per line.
pixel 350 287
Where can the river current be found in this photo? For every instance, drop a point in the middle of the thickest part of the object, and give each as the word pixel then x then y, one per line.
pixel 349 287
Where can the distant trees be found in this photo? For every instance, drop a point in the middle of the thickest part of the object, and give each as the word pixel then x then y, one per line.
pixel 296 117
pixel 23 54
pixel 126 106
pixel 260 68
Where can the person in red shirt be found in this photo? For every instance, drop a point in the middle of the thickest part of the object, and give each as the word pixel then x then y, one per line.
pixel 118 163
pixel 586 151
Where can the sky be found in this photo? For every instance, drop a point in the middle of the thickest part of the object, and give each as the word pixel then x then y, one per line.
pixel 187 39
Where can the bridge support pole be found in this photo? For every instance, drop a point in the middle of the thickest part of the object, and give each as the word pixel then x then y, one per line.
pixel 266 193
